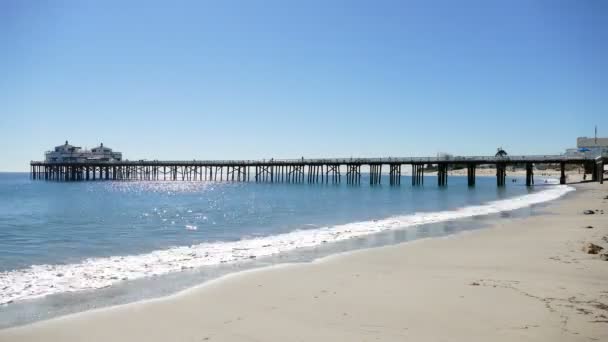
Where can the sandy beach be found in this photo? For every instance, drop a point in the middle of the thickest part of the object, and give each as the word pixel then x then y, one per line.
pixel 523 279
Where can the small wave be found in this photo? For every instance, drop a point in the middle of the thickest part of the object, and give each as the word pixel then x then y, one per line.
pixel 94 273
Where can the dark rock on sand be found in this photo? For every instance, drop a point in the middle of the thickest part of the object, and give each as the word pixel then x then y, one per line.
pixel 591 248
pixel 604 257
pixel 588 212
pixel 589 227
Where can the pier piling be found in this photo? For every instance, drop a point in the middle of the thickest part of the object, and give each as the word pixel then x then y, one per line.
pixel 442 174
pixel 529 174
pixel 471 170
pixel 501 174
pixel 417 174
pixel 300 171
pixel 394 174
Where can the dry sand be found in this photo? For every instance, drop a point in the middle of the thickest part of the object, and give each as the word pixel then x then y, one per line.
pixel 524 279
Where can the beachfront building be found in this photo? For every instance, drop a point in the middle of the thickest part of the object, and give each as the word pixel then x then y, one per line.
pixel 589 147
pixel 596 146
pixel 70 153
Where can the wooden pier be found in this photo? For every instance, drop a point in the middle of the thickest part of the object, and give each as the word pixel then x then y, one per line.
pixel 304 170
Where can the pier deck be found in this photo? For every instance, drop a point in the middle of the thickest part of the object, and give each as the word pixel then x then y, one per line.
pixel 328 170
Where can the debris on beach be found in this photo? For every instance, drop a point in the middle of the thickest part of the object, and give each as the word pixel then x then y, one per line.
pixel 589 227
pixel 588 212
pixel 591 248
pixel 474 283
pixel 604 256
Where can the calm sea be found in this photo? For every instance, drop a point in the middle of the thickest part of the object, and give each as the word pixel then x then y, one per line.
pixel 66 247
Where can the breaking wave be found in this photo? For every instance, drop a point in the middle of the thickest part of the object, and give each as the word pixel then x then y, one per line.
pixel 94 273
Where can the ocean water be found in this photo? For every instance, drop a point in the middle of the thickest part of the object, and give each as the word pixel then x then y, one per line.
pixel 67 247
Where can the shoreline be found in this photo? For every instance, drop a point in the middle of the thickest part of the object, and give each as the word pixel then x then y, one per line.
pixel 226 290
pixel 68 278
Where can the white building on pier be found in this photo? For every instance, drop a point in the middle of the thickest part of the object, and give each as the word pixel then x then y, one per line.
pixel 75 154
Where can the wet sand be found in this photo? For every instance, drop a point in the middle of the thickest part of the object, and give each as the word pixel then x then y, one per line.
pixel 523 279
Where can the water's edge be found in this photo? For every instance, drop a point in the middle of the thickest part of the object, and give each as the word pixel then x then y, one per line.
pixel 311 245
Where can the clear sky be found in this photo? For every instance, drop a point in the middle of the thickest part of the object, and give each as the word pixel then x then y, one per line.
pixel 285 79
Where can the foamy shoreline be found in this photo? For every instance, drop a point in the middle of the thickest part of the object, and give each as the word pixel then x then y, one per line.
pixel 541 286
pixel 95 273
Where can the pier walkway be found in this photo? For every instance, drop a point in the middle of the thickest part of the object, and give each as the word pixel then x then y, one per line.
pixel 307 170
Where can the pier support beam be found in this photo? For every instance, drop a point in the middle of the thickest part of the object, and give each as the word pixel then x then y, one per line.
pixel 501 174
pixel 562 178
pixel 417 174
pixel 332 171
pixel 589 168
pixel 529 174
pixel 353 174
pixel 599 170
pixel 471 170
pixel 375 174
pixel 421 174
pixel 395 174
pixel 442 174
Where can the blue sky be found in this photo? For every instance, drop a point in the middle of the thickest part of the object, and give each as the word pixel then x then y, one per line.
pixel 285 79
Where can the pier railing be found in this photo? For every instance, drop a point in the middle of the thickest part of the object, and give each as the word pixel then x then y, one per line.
pixel 381 160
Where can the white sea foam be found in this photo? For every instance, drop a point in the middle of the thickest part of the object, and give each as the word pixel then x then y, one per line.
pixel 95 273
